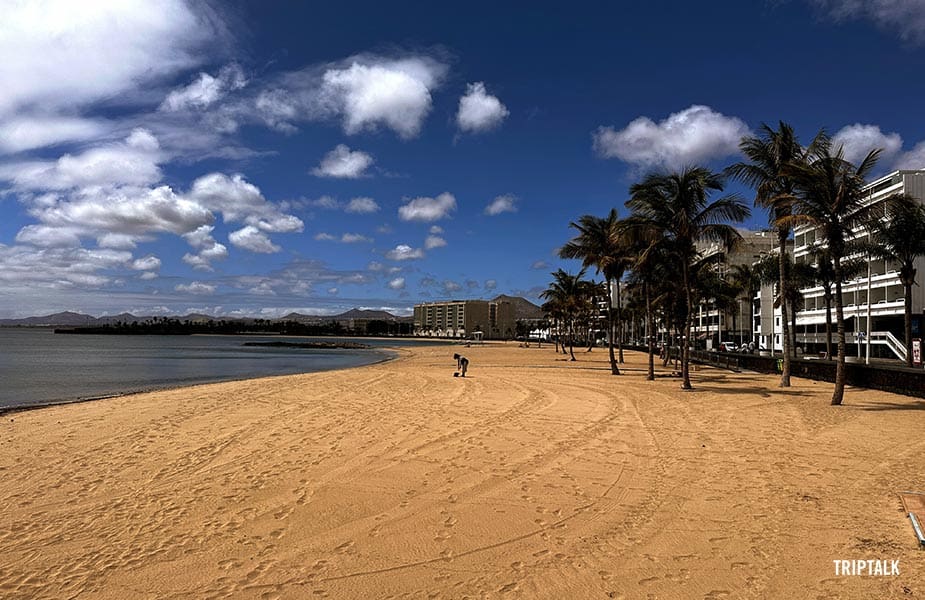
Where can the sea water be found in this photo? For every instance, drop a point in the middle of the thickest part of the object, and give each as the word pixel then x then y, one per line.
pixel 38 366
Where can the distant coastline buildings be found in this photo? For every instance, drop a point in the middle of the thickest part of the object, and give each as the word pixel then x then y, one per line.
pixel 463 318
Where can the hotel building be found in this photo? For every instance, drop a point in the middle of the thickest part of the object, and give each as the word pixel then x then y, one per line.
pixel 463 318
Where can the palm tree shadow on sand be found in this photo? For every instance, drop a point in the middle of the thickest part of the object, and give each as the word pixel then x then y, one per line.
pixel 879 406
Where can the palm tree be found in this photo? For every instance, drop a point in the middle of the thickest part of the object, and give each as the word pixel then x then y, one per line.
pixel 828 194
pixel 566 293
pixel 678 206
pixel 769 155
pixel 900 237
pixel 599 244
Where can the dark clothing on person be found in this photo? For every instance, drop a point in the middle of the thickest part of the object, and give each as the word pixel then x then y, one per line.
pixel 462 364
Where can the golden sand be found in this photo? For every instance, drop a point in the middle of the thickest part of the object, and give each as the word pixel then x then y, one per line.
pixel 534 477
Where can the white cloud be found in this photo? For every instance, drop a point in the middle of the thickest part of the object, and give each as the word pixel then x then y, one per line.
pixel 397 284
pixel 343 163
pixel 240 201
pixel 434 241
pixel 540 264
pixel 62 54
pixel 913 159
pixel 196 287
pixel 209 250
pixel 479 111
pixel 147 263
pixel 435 230
pixel 404 252
pixel 373 92
pixel 27 132
pixel 354 238
pixel 325 202
pixel 119 241
pixel 333 291
pixel 375 266
pixel 133 161
pixel 127 211
pixel 148 275
pixel 58 268
pixel 691 136
pixel 428 209
pixel 325 237
pixel 857 140
pixel 251 238
pixel 501 204
pixel 362 206
pixel 206 90
pixel 903 17
pixel 450 287
pixel 490 284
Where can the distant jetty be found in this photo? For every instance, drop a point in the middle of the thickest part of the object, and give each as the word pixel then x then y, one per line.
pixel 313 345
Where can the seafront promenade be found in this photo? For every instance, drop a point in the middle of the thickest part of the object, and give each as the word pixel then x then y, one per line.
pixel 533 477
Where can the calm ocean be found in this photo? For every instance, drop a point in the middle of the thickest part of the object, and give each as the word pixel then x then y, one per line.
pixel 39 367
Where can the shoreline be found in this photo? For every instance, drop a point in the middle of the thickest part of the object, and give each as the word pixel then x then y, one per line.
pixel 390 354
pixel 533 477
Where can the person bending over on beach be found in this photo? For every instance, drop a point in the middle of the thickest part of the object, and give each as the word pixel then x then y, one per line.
pixel 462 364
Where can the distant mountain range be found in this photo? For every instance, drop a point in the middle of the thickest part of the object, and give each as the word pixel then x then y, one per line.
pixel 523 309
pixel 72 319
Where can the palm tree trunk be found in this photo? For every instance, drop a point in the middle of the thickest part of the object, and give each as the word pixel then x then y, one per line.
pixel 571 338
pixel 686 337
pixel 785 371
pixel 907 293
pixel 619 320
pixel 839 394
pixel 614 370
pixel 650 334
pixel 793 330
pixel 828 326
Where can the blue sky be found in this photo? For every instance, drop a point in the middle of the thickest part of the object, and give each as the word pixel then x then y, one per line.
pixel 260 158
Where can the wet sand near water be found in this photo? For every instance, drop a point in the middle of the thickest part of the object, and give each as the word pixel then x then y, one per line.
pixel 533 477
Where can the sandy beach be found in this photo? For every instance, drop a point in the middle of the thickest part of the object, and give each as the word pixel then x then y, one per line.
pixel 534 477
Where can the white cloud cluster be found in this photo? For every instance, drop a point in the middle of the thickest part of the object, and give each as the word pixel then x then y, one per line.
pixel 208 250
pixel 133 161
pixel 343 163
pixel 479 111
pixel 27 132
pixel 59 268
pixel 428 209
pixel 206 90
pixel 693 135
pixel 362 206
pixel 58 58
pixel 373 92
pixel 501 204
pixel 404 252
pixel 364 92
pixel 196 287
pixel 903 17
pixel 397 284
pixel 434 241
pixel 858 140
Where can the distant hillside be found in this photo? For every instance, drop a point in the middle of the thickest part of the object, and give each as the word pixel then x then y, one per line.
pixel 72 319
pixel 523 308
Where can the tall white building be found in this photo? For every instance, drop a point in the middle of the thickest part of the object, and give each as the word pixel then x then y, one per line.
pixel 884 303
